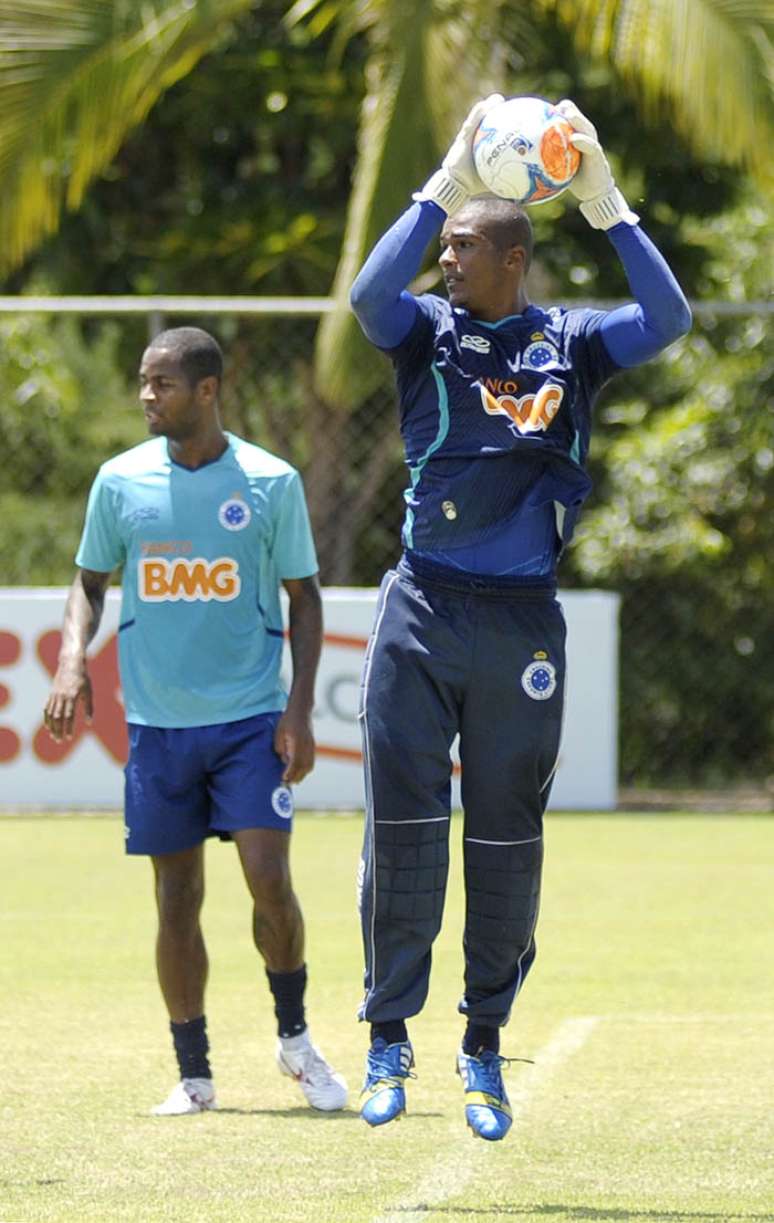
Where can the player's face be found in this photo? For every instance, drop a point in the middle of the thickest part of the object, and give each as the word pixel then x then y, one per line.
pixel 475 271
pixel 173 408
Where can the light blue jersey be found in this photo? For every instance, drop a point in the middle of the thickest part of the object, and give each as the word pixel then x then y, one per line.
pixel 203 553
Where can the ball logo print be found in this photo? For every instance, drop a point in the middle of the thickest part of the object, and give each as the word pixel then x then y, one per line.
pixel 522 151
pixel 234 514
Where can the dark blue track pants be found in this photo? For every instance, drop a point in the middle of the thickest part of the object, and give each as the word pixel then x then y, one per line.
pixel 486 662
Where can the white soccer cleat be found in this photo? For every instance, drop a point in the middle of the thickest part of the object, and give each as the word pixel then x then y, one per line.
pixel 299 1059
pixel 188 1096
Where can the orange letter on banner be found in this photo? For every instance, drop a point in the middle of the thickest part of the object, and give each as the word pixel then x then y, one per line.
pixel 109 723
pixel 10 652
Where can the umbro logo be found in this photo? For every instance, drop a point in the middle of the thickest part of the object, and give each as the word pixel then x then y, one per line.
pixel 478 343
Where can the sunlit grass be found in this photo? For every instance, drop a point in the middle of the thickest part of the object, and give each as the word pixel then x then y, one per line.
pixel 649 1014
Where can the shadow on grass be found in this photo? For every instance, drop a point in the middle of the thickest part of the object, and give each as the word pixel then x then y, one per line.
pixel 299 1111
pixel 597 1214
pixel 312 1114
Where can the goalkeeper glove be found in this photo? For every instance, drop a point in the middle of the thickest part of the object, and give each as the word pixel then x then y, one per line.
pixel 457 179
pixel 601 203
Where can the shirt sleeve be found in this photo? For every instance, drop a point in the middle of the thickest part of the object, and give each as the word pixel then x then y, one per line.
pixel 381 303
pixel 293 550
pixel 635 333
pixel 101 547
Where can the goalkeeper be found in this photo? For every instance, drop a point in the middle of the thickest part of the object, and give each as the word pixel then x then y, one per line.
pixel 496 396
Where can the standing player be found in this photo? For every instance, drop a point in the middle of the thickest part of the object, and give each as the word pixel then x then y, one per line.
pixel 495 413
pixel 206 527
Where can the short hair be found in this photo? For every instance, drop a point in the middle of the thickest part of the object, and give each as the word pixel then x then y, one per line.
pixel 505 222
pixel 198 354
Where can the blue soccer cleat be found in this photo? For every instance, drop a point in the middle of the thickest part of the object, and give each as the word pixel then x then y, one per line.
pixel 487 1110
pixel 383 1097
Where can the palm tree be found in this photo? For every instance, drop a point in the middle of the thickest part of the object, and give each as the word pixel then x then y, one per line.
pixel 708 65
pixel 703 62
pixel 75 78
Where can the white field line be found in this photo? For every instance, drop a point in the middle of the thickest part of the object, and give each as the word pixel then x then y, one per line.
pixel 665 1017
pixel 450 1176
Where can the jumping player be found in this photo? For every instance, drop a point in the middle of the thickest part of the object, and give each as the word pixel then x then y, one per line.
pixel 207 527
pixel 495 414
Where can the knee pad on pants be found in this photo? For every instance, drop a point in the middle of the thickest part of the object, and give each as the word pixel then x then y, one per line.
pixel 412 863
pixel 503 890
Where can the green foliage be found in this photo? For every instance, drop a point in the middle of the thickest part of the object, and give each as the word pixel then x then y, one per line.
pixel 704 66
pixel 681 524
pixel 75 77
pixel 236 182
pixel 239 181
pixel 65 408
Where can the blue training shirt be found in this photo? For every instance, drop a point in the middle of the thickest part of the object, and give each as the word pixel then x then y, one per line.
pixel 495 417
pixel 203 552
pixel 495 420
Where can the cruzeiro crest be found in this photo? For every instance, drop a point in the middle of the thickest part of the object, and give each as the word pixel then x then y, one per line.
pixel 539 678
pixel 282 801
pixel 540 352
pixel 234 514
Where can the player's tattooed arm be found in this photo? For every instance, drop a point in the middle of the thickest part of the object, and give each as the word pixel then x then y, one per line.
pixel 83 613
pixel 294 739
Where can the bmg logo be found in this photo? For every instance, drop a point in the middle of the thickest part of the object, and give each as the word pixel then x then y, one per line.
pixel 194 580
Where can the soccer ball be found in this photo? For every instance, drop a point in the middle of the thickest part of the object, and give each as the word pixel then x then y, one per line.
pixel 522 151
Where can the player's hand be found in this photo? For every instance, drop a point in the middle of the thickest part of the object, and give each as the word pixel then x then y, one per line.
pixel 594 176
pixel 71 684
pixel 294 744
pixel 458 162
pixel 601 203
pixel 458 178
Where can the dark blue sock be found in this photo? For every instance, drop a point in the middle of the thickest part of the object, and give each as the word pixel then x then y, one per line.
pixel 393 1032
pixel 478 1037
pixel 288 990
pixel 192 1047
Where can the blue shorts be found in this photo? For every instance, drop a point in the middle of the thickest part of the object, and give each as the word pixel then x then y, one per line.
pixel 186 784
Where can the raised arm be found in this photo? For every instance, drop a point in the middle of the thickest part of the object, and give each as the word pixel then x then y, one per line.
pixel 83 613
pixel 382 306
pixel 660 314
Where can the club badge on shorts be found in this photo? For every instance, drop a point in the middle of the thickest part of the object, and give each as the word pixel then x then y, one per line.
pixel 539 678
pixel 234 514
pixel 282 802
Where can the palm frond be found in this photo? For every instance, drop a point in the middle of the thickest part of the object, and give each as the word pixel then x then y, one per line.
pixel 393 130
pixel 706 64
pixel 75 77
pixel 409 115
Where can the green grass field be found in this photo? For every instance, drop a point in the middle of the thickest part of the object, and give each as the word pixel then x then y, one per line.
pixel 649 1015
